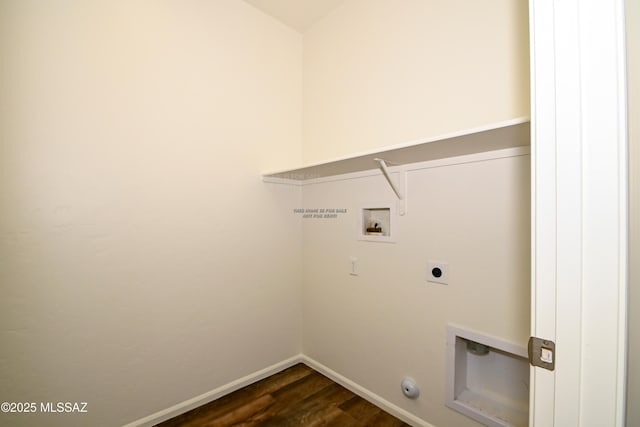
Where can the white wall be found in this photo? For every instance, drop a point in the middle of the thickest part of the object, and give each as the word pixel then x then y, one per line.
pixel 383 72
pixel 142 260
pixel 388 322
pixel 633 87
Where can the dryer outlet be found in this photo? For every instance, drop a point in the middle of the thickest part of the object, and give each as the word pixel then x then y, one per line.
pixel 438 272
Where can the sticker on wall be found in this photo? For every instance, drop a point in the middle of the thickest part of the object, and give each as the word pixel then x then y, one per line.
pixel 320 213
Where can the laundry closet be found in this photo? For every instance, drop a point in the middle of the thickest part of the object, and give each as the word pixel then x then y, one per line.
pixel 416 128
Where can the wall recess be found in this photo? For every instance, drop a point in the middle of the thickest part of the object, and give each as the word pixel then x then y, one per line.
pixel 487 378
pixel 378 223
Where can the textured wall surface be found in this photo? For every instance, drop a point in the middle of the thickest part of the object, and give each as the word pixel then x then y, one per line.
pixel 384 72
pixel 389 322
pixel 142 261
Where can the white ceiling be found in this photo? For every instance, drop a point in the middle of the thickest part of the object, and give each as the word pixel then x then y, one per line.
pixel 299 14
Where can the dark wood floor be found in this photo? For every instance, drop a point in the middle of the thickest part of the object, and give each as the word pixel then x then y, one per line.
pixel 297 396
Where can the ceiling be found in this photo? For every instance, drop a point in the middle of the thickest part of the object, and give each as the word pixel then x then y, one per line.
pixel 298 14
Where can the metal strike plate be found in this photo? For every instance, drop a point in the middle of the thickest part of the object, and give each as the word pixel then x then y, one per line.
pixel 542 353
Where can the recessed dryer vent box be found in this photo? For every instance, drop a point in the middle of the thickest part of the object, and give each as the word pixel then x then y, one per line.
pixel 487 379
pixel 377 222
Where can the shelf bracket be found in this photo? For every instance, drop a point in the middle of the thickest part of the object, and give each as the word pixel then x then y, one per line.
pixel 400 188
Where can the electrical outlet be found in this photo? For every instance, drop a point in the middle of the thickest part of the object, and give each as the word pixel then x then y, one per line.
pixel 438 272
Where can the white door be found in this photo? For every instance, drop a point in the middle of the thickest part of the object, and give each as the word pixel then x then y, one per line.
pixel 579 225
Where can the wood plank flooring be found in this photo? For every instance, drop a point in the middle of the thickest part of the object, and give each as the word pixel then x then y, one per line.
pixel 297 396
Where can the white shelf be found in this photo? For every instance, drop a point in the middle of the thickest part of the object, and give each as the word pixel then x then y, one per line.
pixel 509 134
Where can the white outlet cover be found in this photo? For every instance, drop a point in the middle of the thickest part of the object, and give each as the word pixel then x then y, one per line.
pixel 435 267
pixel 354 266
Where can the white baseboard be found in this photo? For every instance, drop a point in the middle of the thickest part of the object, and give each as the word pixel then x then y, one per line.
pixel 366 394
pixel 214 394
pixel 217 393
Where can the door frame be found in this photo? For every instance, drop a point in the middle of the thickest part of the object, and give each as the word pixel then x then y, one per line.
pixel 579 210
